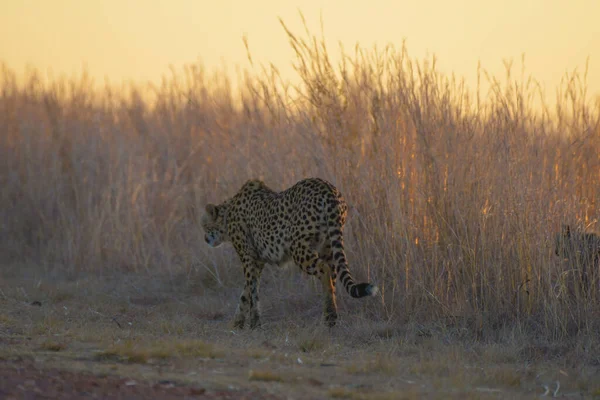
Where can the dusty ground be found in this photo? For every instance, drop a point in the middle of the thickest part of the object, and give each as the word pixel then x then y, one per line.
pixel 137 337
pixel 26 380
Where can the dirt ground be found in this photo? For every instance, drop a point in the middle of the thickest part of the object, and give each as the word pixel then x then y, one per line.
pixel 26 380
pixel 142 337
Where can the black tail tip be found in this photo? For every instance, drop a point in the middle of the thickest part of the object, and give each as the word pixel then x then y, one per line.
pixel 363 289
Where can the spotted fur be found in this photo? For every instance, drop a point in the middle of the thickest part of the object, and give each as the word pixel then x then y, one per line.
pixel 303 224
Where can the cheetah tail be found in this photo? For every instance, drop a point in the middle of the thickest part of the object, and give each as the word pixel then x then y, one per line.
pixel 354 289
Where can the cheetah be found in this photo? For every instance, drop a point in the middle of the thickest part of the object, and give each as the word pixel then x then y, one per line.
pixel 582 249
pixel 302 224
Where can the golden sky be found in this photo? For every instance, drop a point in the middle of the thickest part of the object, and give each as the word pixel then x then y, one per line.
pixel 139 39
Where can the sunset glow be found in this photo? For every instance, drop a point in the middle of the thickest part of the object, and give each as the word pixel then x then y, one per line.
pixel 139 40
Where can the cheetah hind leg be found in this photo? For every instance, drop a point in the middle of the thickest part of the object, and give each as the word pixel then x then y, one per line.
pixel 330 305
pixel 310 262
pixel 328 280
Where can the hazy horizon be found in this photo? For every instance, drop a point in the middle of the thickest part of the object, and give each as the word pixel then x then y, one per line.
pixel 134 40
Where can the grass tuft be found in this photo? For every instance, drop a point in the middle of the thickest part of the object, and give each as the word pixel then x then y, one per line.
pixel 343 393
pixel 52 346
pixel 140 353
pixel 264 375
pixel 380 364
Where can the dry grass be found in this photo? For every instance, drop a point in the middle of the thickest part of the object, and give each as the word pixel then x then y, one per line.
pixel 312 340
pixel 265 376
pixel 455 196
pixel 343 393
pixel 141 352
pixel 380 364
pixel 52 346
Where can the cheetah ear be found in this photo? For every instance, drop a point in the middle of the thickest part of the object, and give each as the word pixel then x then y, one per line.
pixel 212 210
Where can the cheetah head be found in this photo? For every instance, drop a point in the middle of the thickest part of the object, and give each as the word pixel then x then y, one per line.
pixel 213 223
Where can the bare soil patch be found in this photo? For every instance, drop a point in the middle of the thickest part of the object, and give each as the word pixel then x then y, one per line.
pixel 24 380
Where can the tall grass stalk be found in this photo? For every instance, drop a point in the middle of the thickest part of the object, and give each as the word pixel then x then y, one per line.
pixel 455 193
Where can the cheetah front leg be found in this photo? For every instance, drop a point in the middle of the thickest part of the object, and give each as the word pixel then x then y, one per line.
pixel 248 305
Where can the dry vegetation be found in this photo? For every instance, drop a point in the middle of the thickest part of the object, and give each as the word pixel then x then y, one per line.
pixel 455 197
